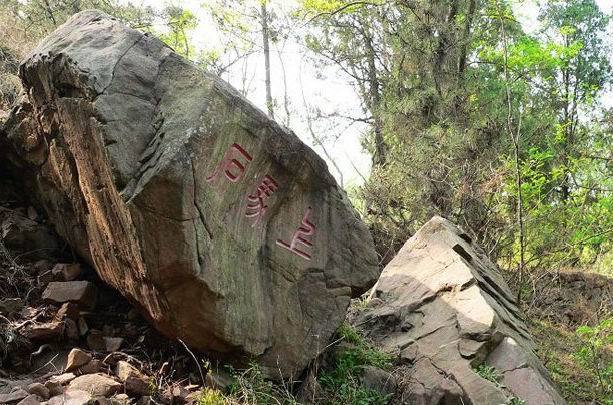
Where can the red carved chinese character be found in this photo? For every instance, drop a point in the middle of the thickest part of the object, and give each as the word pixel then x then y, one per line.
pixel 230 161
pixel 306 229
pixel 256 207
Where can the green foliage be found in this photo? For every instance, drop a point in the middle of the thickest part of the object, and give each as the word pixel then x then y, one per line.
pixel 250 387
pixel 180 23
pixel 442 123
pixel 558 346
pixel 210 396
pixel 595 353
pixel 489 373
pixel 515 401
pixel 342 383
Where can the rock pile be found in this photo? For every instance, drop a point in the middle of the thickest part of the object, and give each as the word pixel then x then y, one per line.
pixel 65 338
pixel 451 322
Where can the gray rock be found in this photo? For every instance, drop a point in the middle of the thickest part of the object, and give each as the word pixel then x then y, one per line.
pixel 444 308
pixel 71 397
pixel 224 227
pixel 376 379
pixel 39 390
pixel 80 292
pixel 95 384
pixel 135 382
pixel 14 396
pixel 77 358
pixel 54 388
pixel 30 400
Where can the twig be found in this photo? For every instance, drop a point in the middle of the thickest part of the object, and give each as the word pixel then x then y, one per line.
pixel 195 359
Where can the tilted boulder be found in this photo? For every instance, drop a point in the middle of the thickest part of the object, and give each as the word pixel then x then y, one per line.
pixel 221 225
pixel 442 308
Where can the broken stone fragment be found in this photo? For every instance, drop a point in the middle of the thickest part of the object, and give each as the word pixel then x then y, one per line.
pixel 14 396
pixel 62 379
pixel 76 359
pixel 134 381
pixel 71 397
pixel 92 367
pixel 67 310
pixel 54 387
pixel 80 292
pixel 112 344
pixel 41 332
pixel 31 399
pixel 95 384
pixel 39 390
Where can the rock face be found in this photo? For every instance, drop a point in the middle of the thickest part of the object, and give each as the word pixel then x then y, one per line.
pixel 444 310
pixel 222 226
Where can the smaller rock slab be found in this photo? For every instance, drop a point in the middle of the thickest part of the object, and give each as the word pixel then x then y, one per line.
pixel 95 384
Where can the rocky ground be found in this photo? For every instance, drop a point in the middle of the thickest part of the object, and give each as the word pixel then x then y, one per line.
pixel 65 337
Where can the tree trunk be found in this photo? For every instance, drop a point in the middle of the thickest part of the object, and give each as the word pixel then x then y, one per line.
pixel 266 46
pixel 379 156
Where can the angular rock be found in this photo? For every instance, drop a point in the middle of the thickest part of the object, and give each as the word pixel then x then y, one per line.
pixel 67 310
pixel 54 387
pixel 62 379
pixel 442 306
pixel 39 390
pixel 14 396
pixel 95 384
pixel 379 380
pixel 41 332
pixel 112 344
pixel 30 400
pixel 225 229
pixel 92 367
pixel 71 397
pixel 76 359
pixel 134 381
pixel 80 292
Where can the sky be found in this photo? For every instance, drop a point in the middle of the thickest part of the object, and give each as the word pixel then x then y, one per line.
pixel 326 90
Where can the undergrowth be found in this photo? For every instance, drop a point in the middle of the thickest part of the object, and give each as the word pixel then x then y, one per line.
pixel 341 385
pixel 563 352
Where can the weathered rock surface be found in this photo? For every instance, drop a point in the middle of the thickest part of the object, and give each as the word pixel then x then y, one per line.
pixel 222 226
pixel 95 384
pixel 443 309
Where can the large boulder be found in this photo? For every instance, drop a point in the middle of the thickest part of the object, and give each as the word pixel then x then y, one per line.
pixel 226 229
pixel 442 308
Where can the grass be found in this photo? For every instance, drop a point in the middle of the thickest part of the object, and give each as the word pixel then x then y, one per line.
pixel 558 348
pixel 489 373
pixel 341 385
